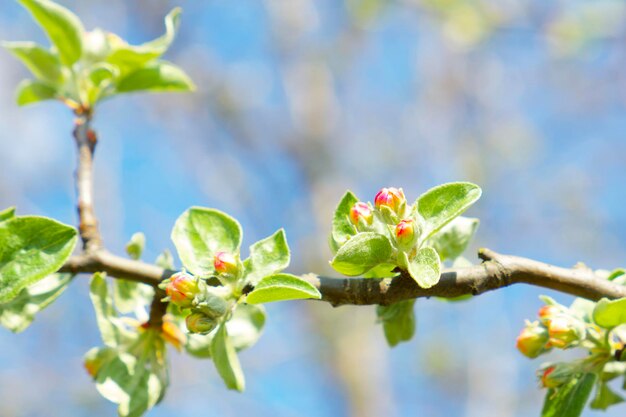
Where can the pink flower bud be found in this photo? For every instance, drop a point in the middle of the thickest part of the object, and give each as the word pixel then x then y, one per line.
pixel 199 323
pixel 405 233
pixel 361 212
pixel 226 263
pixel 565 332
pixel 392 198
pixel 181 289
pixel 532 340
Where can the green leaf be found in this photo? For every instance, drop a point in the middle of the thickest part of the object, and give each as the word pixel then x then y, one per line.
pixel 135 246
pixel 165 260
pixel 7 214
pixel 382 271
pixel 62 27
pixel 452 240
pixel 616 273
pixel 43 64
pixel 425 269
pixel 267 257
pixel 31 248
pixel 201 232
pixel 343 229
pixel 156 76
pixel 112 329
pixel 361 253
pixel 440 205
pixel 131 296
pixel 129 57
pixel 568 400
pixel 610 313
pixel 17 314
pixel 282 287
pixel 30 92
pixel 226 361
pixel 398 321
pixel 605 397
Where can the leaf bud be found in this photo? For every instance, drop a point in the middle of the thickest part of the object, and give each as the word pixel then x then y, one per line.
pixel 200 323
pixel 532 340
pixel 181 289
pixel 361 214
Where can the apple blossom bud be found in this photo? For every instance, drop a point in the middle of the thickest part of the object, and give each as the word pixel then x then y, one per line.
pixel 548 312
pixel 565 331
pixel 361 213
pixel 553 376
pixel 225 263
pixel 200 323
pixel 181 289
pixel 406 233
pixel 392 198
pixel 532 340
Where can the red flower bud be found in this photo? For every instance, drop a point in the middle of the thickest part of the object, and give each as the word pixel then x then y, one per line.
pixel 226 263
pixel 565 331
pixel 199 323
pixel 393 198
pixel 532 340
pixel 361 212
pixel 405 232
pixel 181 289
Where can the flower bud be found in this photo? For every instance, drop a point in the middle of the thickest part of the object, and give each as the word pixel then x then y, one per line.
pixel 406 233
pixel 553 376
pixel 181 289
pixel 226 263
pixel 547 313
pixel 361 213
pixel 200 323
pixel 565 331
pixel 532 340
pixel 391 198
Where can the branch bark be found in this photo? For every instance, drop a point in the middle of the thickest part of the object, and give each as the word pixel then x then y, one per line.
pixel 496 271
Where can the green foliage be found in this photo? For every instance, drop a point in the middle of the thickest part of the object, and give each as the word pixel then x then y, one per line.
pixel 267 256
pixel 605 397
pixel 569 400
pixel 282 287
pixel 398 321
pixel 362 253
pixel 17 314
pixel 425 268
pixel 452 240
pixel 342 228
pixel 610 313
pixel 7 214
pixel 83 68
pixel 226 361
pixel 131 296
pixel 31 248
pixel 199 233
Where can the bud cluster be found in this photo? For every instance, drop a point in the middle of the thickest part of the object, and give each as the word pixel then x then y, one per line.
pixel 556 327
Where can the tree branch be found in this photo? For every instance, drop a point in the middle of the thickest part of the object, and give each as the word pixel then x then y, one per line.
pixel 86 141
pixel 496 271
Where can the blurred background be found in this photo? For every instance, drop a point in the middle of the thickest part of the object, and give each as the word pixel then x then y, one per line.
pixel 297 101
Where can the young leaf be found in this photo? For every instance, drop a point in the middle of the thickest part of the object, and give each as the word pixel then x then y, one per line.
pixel 568 400
pixel 129 57
pixel 43 64
pixel 30 91
pixel 135 246
pixel 425 269
pixel 282 287
pixel 452 240
pixel 605 397
pixel 398 321
pixel 361 253
pixel 226 361
pixel 17 314
pixel 165 260
pixel 7 214
pixel 343 229
pixel 62 27
pixel 31 248
pixel 440 205
pixel 156 76
pixel 111 328
pixel 201 232
pixel 610 313
pixel 267 256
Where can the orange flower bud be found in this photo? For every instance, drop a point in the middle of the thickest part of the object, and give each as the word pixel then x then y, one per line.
pixel 226 263
pixel 565 331
pixel 181 289
pixel 405 233
pixel 532 340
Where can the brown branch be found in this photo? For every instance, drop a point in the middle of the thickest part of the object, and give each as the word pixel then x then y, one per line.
pixel 496 271
pixel 86 141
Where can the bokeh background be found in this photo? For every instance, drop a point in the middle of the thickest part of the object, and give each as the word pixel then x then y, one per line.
pixel 297 101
